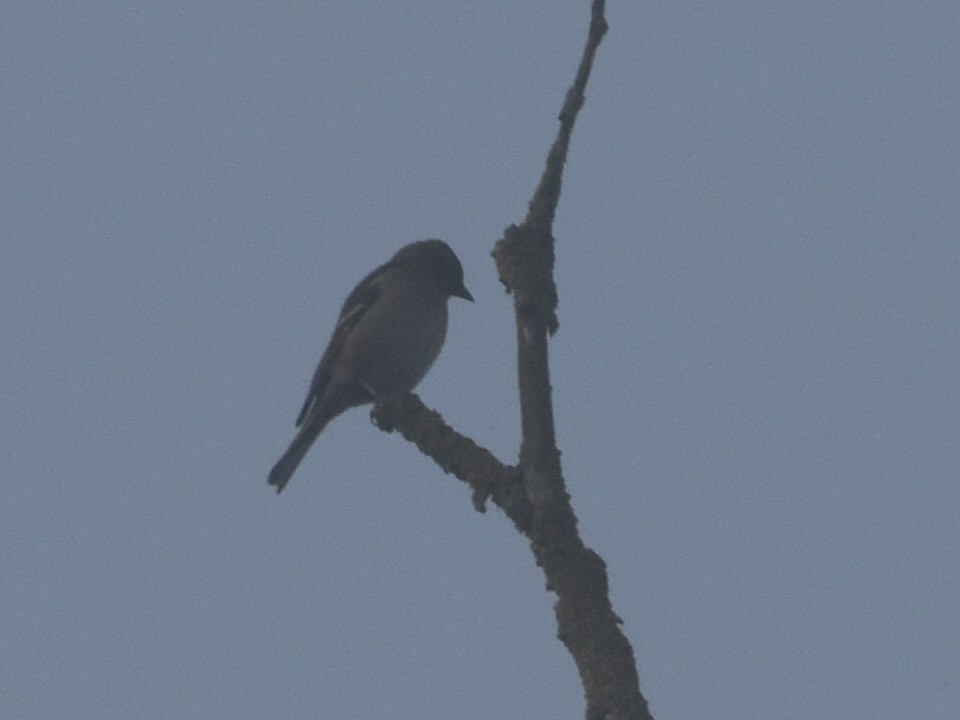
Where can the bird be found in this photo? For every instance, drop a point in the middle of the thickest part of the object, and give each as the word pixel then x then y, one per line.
pixel 389 332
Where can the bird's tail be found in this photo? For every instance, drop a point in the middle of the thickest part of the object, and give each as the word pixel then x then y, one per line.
pixel 282 472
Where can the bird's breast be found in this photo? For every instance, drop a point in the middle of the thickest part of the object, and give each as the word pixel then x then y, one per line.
pixel 392 351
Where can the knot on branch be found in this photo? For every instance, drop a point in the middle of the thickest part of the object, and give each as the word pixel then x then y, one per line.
pixel 525 262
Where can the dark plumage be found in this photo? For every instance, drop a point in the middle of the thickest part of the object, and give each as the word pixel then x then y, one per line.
pixel 389 332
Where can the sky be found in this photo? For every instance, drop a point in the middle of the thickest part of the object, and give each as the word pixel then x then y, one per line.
pixel 755 378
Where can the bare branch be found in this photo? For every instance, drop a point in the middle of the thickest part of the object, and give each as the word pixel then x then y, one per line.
pixel 534 495
pixel 586 622
pixel 488 478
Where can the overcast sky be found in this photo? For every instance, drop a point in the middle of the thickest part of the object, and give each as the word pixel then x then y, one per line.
pixel 756 375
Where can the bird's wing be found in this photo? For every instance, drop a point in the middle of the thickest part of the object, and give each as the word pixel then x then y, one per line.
pixel 358 302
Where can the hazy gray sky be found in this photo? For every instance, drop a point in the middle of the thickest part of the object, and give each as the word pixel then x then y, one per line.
pixel 756 375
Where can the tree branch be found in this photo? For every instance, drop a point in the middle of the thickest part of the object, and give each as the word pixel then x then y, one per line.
pixel 488 478
pixel 586 622
pixel 534 495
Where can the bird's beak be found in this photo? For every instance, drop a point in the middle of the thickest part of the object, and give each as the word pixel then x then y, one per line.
pixel 462 292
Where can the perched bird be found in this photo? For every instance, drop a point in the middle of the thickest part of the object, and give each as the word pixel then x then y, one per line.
pixel 389 332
